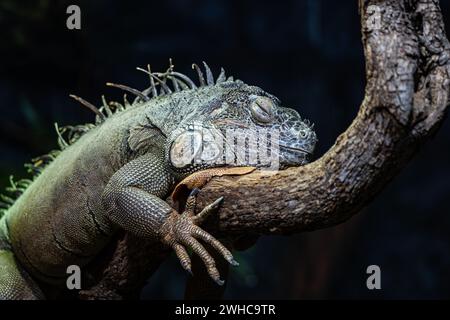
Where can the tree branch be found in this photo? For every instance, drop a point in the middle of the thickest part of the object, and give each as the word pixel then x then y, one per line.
pixel 407 93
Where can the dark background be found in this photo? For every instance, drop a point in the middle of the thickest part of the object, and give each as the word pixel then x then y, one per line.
pixel 308 53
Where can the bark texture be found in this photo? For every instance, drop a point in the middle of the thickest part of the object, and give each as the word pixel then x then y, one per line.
pixel 407 93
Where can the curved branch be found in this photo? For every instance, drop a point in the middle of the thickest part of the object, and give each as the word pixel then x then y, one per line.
pixel 406 98
pixel 407 94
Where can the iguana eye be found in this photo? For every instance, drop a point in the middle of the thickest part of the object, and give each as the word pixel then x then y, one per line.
pixel 262 109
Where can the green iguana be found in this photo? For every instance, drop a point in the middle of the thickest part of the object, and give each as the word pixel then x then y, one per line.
pixel 116 173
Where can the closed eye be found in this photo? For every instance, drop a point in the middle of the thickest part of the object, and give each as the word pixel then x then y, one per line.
pixel 262 109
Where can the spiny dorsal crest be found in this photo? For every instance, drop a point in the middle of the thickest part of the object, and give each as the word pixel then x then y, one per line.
pixel 161 84
pixel 16 188
pixel 163 80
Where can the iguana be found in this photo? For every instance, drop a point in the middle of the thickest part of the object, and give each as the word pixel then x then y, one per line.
pixel 116 173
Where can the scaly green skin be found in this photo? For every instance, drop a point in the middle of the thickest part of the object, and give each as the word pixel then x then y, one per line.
pixel 117 173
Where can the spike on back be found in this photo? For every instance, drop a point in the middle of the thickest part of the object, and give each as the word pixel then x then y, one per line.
pixel 131 90
pixel 61 142
pixel 222 77
pixel 209 75
pixel 201 79
pixel 88 105
pixel 105 107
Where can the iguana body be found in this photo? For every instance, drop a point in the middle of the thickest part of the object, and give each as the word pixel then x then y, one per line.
pixel 116 175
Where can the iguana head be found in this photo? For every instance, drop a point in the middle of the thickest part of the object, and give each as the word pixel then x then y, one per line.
pixel 226 122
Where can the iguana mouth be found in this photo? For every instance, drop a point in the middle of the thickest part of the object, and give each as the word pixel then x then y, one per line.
pixel 295 149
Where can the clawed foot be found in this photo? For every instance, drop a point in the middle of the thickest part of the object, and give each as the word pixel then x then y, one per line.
pixel 181 231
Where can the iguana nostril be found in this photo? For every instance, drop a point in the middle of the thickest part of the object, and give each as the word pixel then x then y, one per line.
pixel 303 134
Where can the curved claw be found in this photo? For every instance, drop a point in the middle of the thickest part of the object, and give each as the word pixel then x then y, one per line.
pixel 182 230
pixel 220 282
pixel 205 236
pixel 209 262
pixel 206 212
pixel 183 256
pixel 194 192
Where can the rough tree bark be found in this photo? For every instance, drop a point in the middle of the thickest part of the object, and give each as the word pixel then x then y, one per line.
pixel 407 93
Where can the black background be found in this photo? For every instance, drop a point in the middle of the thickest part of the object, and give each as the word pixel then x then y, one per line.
pixel 308 53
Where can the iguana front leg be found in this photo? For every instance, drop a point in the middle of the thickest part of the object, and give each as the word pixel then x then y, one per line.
pixel 133 201
pixel 200 286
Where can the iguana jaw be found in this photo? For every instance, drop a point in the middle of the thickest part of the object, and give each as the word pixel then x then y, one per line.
pixel 296 150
